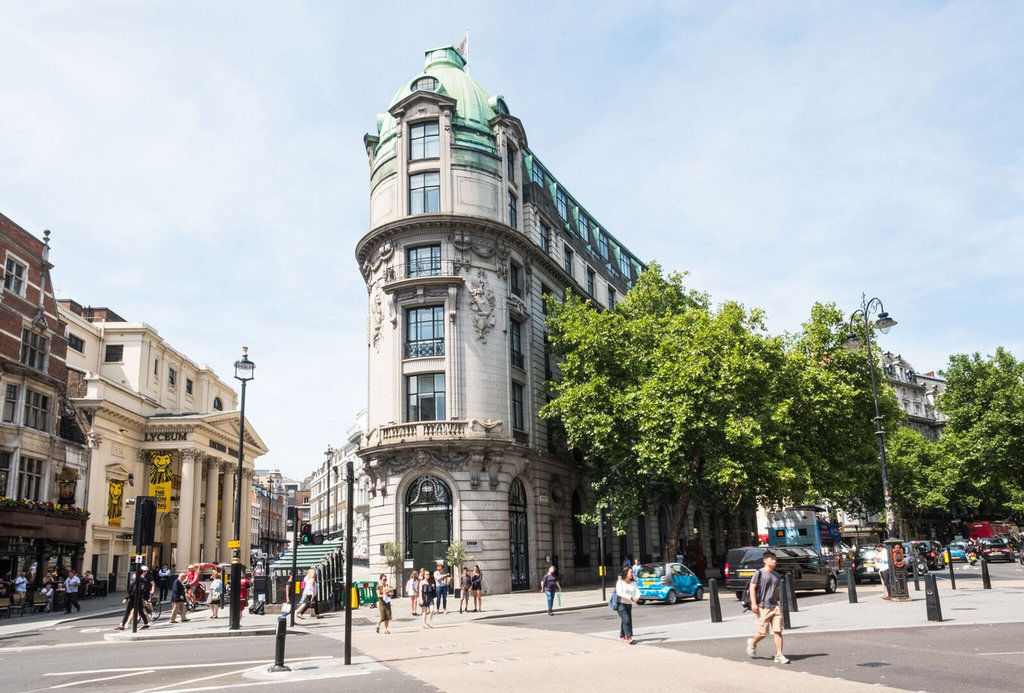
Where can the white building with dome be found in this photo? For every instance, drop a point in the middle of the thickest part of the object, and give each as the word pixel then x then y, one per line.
pixel 468 230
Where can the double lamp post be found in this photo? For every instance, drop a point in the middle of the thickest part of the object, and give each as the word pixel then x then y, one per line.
pixel 244 369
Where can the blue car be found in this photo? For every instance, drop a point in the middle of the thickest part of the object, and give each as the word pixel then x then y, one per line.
pixel 667 582
pixel 957 551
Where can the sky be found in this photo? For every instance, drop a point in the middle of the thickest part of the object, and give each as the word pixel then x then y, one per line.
pixel 201 165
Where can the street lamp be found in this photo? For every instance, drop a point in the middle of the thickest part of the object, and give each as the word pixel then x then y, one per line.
pixel 243 372
pixel 350 483
pixel 861 318
pixel 330 452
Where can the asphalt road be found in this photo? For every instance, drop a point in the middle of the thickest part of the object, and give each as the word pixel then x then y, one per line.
pixel 68 659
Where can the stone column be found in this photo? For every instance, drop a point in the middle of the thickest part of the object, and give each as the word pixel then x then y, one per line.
pixel 186 507
pixel 210 528
pixel 197 510
pixel 227 506
pixel 246 516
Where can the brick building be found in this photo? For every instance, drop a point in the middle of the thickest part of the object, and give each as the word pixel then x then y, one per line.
pixel 43 458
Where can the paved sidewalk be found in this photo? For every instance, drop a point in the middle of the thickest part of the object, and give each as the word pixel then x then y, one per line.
pixel 96 607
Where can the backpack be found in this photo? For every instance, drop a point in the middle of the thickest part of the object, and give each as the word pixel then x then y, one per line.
pixel 745 599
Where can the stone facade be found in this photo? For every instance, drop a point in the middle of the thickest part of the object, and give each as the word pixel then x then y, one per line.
pixel 157 424
pixel 917 394
pixel 328 488
pixel 468 233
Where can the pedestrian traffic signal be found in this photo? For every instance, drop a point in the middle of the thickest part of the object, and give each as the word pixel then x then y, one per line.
pixel 306 535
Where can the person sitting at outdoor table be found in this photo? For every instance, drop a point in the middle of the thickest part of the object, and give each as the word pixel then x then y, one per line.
pixel 88 583
pixel 47 592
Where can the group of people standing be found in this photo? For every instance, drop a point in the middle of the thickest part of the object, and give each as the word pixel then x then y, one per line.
pixel 429 591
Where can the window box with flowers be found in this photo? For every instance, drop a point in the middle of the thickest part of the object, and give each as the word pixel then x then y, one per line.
pixel 38 520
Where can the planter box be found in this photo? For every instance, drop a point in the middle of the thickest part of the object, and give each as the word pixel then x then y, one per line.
pixel 40 524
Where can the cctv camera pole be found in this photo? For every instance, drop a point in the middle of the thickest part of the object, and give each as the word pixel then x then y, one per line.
pixel 348 561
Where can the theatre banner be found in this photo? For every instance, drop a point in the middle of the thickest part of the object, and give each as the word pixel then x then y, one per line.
pixel 160 480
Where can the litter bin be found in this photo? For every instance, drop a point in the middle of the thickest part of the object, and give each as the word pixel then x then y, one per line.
pixel 367 592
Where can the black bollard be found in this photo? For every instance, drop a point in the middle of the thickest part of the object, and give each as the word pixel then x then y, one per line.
pixel 986 579
pixel 784 602
pixel 952 576
pixel 851 585
pixel 917 582
pixel 282 630
pixel 793 606
pixel 716 606
pixel 931 597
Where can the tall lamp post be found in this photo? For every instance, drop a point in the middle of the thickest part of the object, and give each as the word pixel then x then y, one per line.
pixel 350 593
pixel 243 372
pixel 330 453
pixel 861 319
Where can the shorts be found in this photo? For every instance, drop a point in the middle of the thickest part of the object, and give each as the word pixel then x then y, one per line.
pixel 769 620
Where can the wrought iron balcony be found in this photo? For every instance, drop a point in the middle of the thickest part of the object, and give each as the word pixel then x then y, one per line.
pixel 416 269
pixel 433 347
pixel 517 358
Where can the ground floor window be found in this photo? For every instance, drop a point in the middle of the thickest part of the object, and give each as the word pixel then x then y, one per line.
pixel 428 521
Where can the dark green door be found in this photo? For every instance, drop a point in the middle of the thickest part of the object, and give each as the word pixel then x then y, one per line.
pixel 428 521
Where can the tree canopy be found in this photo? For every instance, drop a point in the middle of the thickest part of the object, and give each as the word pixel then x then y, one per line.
pixel 672 399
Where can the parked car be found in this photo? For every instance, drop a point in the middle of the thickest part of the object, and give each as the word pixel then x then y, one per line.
pixel 995 550
pixel 930 551
pixel 920 553
pixel 864 565
pixel 801 564
pixel 666 582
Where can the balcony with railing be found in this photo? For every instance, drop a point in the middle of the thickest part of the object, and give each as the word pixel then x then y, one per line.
pixel 421 349
pixel 428 271
pixel 431 431
pixel 517 358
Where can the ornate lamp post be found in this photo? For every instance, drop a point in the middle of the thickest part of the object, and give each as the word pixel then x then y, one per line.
pixel 244 369
pixel 861 321
pixel 330 453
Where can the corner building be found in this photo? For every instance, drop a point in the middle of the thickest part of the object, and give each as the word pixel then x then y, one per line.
pixel 468 230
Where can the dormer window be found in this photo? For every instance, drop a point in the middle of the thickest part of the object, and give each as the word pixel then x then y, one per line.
pixel 424 142
pixel 217 404
pixel 425 84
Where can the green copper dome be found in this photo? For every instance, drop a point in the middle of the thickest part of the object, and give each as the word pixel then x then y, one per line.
pixel 474 108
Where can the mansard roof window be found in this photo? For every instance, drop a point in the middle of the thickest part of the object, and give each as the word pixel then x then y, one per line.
pixel 425 84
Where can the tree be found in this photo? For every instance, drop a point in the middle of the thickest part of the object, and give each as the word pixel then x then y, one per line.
pixel 457 557
pixel 984 407
pixel 394 557
pixel 668 397
pixel 921 476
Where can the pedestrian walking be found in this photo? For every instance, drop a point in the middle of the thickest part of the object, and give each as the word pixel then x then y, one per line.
pixel 549 585
pixel 626 591
pixel 441 583
pixel 465 584
pixel 20 589
pixel 764 602
pixel 384 594
pixel 308 595
pixel 165 581
pixel 71 584
pixel 427 597
pixel 216 592
pixel 882 566
pixel 477 587
pixel 136 590
pixel 636 567
pixel 244 585
pixel 412 590
pixel 179 598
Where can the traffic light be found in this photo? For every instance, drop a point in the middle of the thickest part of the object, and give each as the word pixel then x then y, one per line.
pixel 306 535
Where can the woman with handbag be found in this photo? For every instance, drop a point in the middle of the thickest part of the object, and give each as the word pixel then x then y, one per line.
pixel 216 592
pixel 308 595
pixel 627 593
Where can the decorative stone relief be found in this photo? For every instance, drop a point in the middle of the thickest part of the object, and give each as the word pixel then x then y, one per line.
pixel 377 318
pixel 516 306
pixel 489 426
pixel 493 465
pixel 481 302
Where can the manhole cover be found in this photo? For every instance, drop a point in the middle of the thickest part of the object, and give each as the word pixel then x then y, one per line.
pixel 873 665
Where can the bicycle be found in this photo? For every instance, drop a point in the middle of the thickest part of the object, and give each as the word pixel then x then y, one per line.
pixel 155 607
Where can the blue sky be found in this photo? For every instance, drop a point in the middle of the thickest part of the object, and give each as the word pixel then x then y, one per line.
pixel 202 169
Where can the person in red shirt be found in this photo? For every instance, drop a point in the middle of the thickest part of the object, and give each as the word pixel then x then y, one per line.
pixel 243 593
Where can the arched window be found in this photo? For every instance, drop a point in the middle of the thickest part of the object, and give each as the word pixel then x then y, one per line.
pixel 428 521
pixel 217 404
pixel 425 84
pixel 517 536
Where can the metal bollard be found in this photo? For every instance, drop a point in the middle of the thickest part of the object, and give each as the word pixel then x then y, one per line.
pixel 851 586
pixel 952 576
pixel 282 631
pixel 793 606
pixel 715 604
pixel 931 597
pixel 784 602
pixel 986 579
pixel 917 582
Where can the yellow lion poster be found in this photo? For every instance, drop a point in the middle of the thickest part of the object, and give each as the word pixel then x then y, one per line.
pixel 160 480
pixel 115 500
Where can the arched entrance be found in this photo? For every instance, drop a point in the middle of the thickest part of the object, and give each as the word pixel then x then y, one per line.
pixel 518 559
pixel 428 521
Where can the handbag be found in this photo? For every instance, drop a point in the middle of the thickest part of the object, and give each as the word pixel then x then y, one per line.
pixel 613 603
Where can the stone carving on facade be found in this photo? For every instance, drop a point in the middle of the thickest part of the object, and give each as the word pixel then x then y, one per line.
pixel 502 254
pixel 516 306
pixel 493 465
pixel 489 426
pixel 190 455
pixel 481 302
pixel 376 318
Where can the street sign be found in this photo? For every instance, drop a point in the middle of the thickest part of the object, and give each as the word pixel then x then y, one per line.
pixel 138 558
pixel 234 544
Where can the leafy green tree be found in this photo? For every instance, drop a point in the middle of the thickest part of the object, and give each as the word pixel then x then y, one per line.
pixel 984 406
pixel 921 476
pixel 668 398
